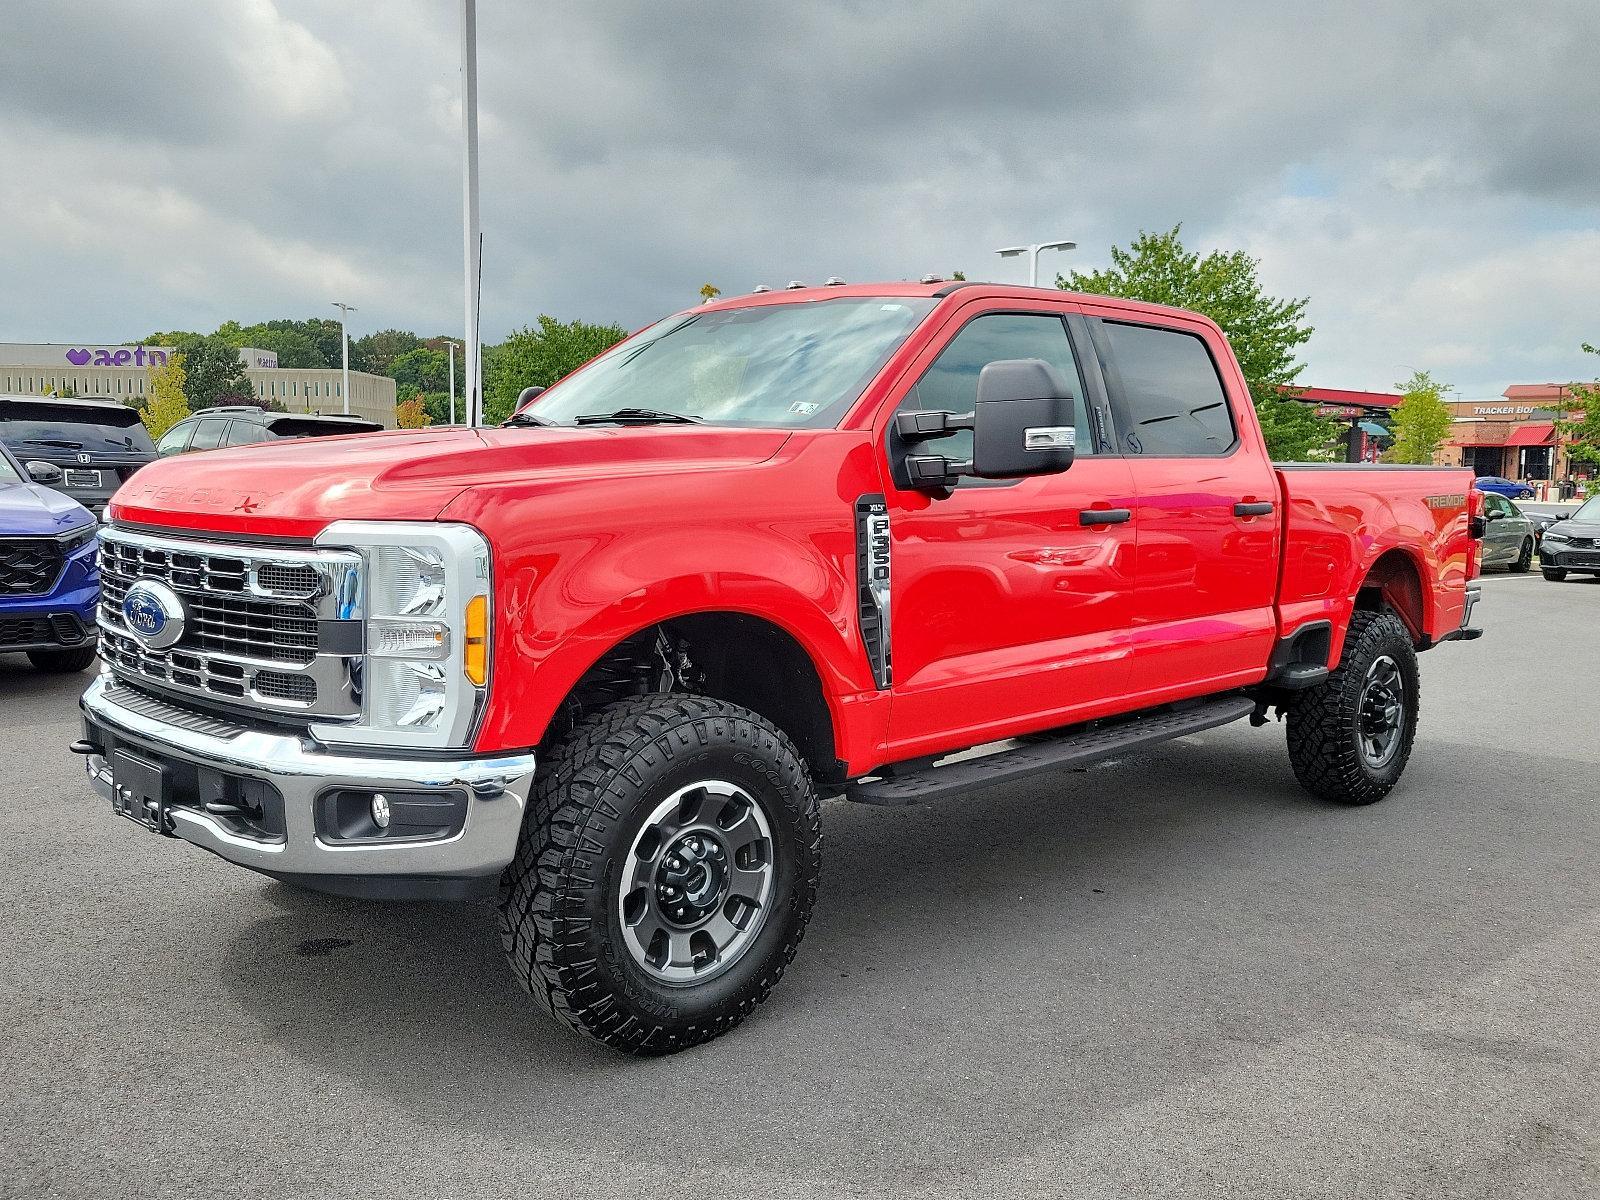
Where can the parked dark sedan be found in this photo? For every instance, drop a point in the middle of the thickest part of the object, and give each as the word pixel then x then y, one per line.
pixel 1572 546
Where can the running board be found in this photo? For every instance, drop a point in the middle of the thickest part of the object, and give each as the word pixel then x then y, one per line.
pixel 1049 753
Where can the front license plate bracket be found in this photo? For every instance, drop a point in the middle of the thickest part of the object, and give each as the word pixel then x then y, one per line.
pixel 140 790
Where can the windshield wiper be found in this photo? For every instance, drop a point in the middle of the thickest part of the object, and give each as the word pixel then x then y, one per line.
pixel 523 418
pixel 636 416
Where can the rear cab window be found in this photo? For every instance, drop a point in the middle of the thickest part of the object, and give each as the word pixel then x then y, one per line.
pixel 1171 396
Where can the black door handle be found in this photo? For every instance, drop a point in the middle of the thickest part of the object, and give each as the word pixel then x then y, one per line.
pixel 1104 516
pixel 1260 509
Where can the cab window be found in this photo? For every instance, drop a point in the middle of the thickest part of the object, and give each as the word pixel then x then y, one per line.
pixel 1173 397
pixel 951 383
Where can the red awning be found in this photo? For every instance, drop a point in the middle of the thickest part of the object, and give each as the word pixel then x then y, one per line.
pixel 1535 433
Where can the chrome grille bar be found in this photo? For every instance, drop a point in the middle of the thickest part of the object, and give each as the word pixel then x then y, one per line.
pixel 264 626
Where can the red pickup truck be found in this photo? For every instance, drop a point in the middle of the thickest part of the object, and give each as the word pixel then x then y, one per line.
pixel 603 660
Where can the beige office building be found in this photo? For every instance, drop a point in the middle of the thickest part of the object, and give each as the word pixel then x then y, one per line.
pixel 123 373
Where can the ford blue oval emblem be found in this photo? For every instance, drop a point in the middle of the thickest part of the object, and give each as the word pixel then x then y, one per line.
pixel 153 613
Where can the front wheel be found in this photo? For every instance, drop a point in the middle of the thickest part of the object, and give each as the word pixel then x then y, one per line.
pixel 62 662
pixel 1553 574
pixel 1350 736
pixel 665 872
pixel 1524 558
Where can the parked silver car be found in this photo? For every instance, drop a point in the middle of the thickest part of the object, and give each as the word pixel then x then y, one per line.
pixel 1508 534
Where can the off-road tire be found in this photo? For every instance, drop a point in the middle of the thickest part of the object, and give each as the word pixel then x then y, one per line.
pixel 62 662
pixel 1324 721
pixel 558 903
pixel 1553 574
pixel 1524 558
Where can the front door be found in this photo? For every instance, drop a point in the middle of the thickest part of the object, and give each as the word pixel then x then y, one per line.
pixel 1008 606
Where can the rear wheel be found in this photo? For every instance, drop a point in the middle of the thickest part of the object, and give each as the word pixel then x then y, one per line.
pixel 1524 557
pixel 1350 736
pixel 62 662
pixel 1553 574
pixel 665 872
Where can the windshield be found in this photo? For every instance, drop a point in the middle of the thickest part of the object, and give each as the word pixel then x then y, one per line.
pixel 8 473
pixel 1589 510
pixel 34 430
pixel 787 365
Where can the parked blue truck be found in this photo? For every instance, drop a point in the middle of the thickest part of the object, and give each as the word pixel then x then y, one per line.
pixel 49 578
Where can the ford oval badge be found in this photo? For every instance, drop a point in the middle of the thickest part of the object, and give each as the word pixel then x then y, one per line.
pixel 153 613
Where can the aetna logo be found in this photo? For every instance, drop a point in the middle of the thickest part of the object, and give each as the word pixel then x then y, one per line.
pixel 113 356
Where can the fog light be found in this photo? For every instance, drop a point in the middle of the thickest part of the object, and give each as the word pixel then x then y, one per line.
pixel 380 811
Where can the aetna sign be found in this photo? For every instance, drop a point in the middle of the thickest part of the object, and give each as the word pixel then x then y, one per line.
pixel 116 356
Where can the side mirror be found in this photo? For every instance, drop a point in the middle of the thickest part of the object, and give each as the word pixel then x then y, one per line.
pixel 526 394
pixel 1023 423
pixel 42 472
pixel 1496 515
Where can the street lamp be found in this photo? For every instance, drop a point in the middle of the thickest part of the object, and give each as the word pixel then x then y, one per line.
pixel 471 238
pixel 452 352
pixel 1033 256
pixel 344 342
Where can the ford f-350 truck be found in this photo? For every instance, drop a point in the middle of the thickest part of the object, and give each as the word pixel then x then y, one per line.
pixel 601 662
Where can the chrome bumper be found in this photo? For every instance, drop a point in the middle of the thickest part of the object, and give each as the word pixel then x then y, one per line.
pixel 301 770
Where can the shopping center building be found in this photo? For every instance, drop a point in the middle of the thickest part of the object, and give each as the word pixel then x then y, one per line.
pixel 1515 437
pixel 123 373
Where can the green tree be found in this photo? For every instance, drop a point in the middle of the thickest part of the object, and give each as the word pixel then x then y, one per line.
pixel 378 351
pixel 292 346
pixel 411 414
pixel 1584 432
pixel 213 372
pixel 166 404
pixel 1421 419
pixel 421 369
pixel 961 276
pixel 1263 330
pixel 538 356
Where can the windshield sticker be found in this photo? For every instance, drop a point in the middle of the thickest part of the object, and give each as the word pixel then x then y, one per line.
pixel 803 408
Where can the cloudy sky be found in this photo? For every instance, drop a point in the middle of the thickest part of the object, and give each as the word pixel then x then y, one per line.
pixel 1428 174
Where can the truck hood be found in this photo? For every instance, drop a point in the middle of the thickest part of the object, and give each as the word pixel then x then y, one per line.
pixel 296 488
pixel 29 509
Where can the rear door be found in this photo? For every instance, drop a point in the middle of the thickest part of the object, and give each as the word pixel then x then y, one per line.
pixel 1206 522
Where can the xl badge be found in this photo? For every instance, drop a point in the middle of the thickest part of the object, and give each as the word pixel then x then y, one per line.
pixel 153 613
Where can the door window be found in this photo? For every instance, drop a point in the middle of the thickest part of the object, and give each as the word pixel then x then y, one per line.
pixel 951 383
pixel 242 433
pixel 208 434
pixel 1174 400
pixel 174 440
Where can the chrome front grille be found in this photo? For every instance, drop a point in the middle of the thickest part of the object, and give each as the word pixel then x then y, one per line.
pixel 270 627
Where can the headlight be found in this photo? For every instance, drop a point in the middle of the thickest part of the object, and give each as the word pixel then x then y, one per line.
pixel 75 539
pixel 425 601
pixel 1550 535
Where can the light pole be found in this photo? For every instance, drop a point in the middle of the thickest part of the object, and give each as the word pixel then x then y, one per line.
pixel 452 353
pixel 472 242
pixel 344 345
pixel 1033 256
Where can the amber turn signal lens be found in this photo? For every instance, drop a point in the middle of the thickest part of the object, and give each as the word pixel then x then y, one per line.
pixel 475 656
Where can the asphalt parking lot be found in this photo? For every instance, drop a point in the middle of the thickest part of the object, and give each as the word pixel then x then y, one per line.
pixel 1168 976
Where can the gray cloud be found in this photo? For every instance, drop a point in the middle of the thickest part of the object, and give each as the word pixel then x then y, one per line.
pixel 1390 161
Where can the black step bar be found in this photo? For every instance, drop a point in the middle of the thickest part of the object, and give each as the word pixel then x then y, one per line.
pixel 1076 748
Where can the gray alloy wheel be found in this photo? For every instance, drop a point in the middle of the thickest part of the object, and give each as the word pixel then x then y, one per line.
pixel 1382 712
pixel 693 894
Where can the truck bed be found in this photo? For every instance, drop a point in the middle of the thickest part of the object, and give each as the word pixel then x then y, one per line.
pixel 1343 520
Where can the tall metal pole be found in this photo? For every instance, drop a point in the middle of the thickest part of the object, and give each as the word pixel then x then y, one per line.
pixel 469 194
pixel 452 353
pixel 344 348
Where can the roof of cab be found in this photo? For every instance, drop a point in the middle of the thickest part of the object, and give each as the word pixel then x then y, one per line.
pixel 940 289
